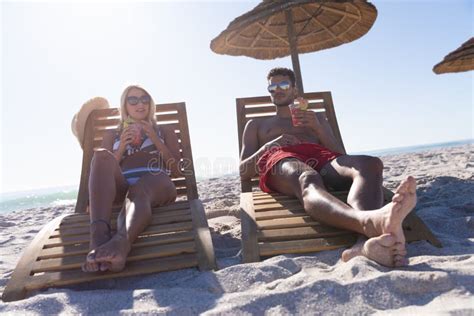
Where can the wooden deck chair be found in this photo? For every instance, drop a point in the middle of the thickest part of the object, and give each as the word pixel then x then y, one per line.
pixel 275 224
pixel 178 236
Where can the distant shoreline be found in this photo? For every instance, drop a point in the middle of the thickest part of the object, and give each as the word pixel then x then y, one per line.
pixel 415 148
pixel 46 197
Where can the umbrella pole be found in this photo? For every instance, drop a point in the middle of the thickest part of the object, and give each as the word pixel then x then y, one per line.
pixel 294 52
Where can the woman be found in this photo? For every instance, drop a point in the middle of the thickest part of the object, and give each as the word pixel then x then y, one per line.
pixel 135 162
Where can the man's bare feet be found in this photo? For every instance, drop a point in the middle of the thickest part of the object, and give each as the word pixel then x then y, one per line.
pixel 383 249
pixel 99 234
pixel 388 219
pixel 113 254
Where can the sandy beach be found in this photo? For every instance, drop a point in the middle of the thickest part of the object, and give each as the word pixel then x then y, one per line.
pixel 436 281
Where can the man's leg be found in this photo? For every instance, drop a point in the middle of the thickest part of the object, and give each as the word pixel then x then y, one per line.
pixel 365 175
pixel 292 177
pixel 150 190
pixel 362 175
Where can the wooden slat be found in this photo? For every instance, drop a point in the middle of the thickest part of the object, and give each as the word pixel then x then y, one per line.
pixel 300 221
pixel 88 151
pixel 84 228
pixel 167 117
pixel 285 213
pixel 15 288
pixel 134 268
pixel 187 154
pixel 331 115
pixel 168 238
pixel 64 251
pixel 167 107
pixel 140 253
pixel 270 109
pixel 202 236
pixel 265 200
pixel 83 249
pixel 285 234
pixel 182 192
pixel 179 205
pixel 303 246
pixel 245 186
pixel 260 194
pixel 173 126
pixel 99 135
pixel 157 229
pixel 106 123
pixel 262 200
pixel 101 113
pixel 179 182
pixel 97 144
pixel 249 228
pixel 157 217
pixel 293 204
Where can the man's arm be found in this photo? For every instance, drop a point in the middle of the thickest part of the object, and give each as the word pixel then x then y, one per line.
pixel 319 124
pixel 326 136
pixel 251 151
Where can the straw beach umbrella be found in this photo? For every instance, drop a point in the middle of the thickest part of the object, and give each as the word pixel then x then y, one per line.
pixel 462 59
pixel 278 28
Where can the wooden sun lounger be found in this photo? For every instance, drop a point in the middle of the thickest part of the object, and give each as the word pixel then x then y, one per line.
pixel 178 236
pixel 275 224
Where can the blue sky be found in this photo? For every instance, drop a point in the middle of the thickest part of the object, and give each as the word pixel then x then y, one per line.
pixel 56 56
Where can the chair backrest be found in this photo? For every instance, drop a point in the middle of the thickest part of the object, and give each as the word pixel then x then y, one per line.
pixel 255 107
pixel 172 115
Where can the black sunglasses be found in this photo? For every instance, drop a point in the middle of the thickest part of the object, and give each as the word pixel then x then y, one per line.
pixel 144 99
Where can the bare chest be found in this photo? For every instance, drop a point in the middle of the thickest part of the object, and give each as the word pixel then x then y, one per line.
pixel 271 129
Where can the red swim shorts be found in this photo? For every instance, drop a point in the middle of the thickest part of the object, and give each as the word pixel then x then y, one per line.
pixel 316 156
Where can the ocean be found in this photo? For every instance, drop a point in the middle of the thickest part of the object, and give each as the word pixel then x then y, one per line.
pixel 57 196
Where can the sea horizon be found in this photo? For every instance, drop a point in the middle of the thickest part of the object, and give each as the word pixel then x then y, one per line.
pixel 66 195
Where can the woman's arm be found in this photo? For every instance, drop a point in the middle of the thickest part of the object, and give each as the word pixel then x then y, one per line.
pixel 169 149
pixel 108 143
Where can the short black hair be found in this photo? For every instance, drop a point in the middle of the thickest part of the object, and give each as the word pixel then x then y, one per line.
pixel 280 71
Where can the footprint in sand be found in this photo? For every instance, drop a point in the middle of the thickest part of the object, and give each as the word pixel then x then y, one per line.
pixel 6 224
pixel 10 238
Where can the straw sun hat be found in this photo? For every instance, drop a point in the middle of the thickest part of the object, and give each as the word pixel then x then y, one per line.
pixel 78 123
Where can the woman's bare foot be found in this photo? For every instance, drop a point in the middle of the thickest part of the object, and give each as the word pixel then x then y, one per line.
pixel 113 254
pixel 383 249
pixel 99 234
pixel 388 219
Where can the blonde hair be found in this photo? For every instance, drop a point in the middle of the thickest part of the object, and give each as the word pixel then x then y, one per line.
pixel 123 102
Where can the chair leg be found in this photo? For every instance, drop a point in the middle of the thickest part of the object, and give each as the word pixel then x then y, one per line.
pixel 205 251
pixel 249 229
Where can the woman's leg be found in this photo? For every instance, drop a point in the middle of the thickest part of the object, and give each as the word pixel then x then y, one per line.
pixel 106 185
pixel 150 190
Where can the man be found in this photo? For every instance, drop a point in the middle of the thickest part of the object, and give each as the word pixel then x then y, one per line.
pixel 303 160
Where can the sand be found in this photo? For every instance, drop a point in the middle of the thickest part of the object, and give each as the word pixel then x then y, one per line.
pixel 436 281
